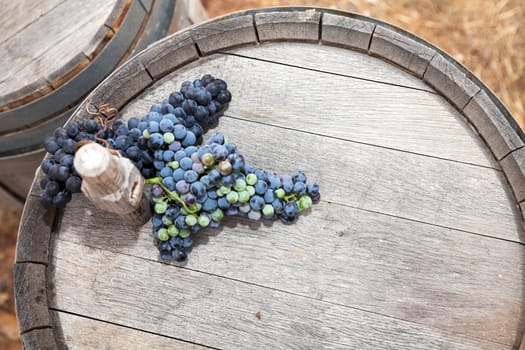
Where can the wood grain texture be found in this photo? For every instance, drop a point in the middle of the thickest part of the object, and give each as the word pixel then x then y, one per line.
pixel 77 23
pixel 169 54
pixel 31 296
pixel 34 232
pixel 42 339
pixel 514 167
pixel 77 333
pixel 19 14
pixel 336 106
pixel 501 132
pixel 302 25
pixel 351 33
pixel 220 312
pixel 328 59
pixel 442 278
pixel 401 49
pixel 449 80
pixel 224 33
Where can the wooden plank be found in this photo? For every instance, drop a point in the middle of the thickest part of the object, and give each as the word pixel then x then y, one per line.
pixel 16 15
pixel 366 112
pixel 401 49
pixel 83 333
pixel 43 339
pixel 169 54
pixel 348 32
pixel 224 33
pixel 447 78
pixel 78 23
pixel 158 25
pixel 514 167
pixel 31 296
pixel 34 232
pixel 494 124
pixel 329 59
pixel 220 312
pixel 302 25
pixel 403 269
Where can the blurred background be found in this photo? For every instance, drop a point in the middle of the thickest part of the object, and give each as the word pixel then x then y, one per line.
pixel 488 37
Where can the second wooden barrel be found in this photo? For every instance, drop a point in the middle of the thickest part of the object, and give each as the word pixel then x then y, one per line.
pixel 54 53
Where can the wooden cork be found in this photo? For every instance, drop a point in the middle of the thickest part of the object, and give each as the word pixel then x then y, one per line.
pixel 113 183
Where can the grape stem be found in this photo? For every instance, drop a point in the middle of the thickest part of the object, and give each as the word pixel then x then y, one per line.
pixel 172 195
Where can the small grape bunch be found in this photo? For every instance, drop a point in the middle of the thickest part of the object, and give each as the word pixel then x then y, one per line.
pixel 199 185
pixel 61 179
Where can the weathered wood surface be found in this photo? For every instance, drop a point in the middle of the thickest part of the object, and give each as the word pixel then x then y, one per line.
pixel 445 278
pixel 409 248
pixel 79 331
pixel 350 33
pixel 51 41
pixel 328 60
pixel 220 312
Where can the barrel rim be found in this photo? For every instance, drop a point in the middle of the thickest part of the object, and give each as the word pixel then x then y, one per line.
pixel 483 111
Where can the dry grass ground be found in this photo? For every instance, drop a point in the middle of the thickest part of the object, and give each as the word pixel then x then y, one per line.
pixel 486 36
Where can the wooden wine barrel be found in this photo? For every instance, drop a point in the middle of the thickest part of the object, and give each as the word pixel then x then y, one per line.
pixel 417 242
pixel 54 54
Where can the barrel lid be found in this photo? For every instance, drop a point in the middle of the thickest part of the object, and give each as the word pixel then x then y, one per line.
pixel 59 51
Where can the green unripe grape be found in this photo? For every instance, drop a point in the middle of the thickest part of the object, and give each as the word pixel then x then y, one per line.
pixel 268 210
pixel 173 230
pixel 146 134
pixel 250 190
pixel 183 211
pixel 174 165
pixel 184 233
pixel 169 138
pixel 197 207
pixel 251 179
pixel 224 189
pixel 244 196
pixel 190 220
pixel 160 207
pixel 157 199
pixel 232 197
pixel 279 193
pixel 207 159
pixel 163 234
pixel 305 202
pixel 217 214
pixel 203 220
pixel 240 185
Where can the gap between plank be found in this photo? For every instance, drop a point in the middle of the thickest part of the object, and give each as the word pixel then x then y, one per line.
pixel 462 335
pixel 326 72
pixel 132 328
pixel 425 223
pixel 363 143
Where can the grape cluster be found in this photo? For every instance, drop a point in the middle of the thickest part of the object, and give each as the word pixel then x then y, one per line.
pixel 179 121
pixel 201 184
pixel 62 180
pixel 193 186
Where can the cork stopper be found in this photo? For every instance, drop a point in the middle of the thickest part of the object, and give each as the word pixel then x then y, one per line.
pixel 112 183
